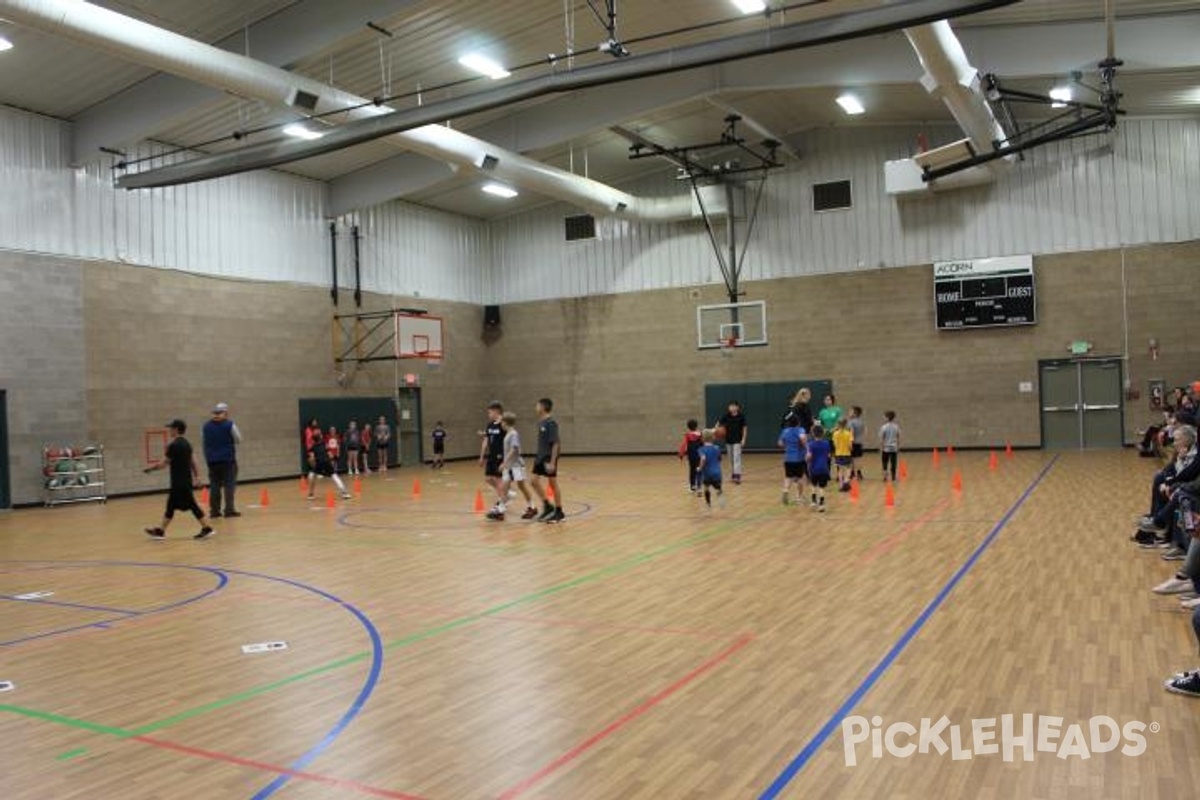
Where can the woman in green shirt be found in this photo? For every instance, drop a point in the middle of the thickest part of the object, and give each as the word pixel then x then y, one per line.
pixel 830 413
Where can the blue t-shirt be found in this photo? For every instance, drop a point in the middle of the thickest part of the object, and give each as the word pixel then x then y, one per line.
pixel 712 461
pixel 793 446
pixel 819 451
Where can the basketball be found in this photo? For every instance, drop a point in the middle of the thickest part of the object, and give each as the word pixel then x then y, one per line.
pixel 719 433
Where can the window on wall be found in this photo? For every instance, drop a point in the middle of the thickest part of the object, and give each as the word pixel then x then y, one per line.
pixel 831 196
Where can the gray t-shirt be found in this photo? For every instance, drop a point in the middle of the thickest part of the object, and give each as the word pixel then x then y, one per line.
pixel 512 449
pixel 858 428
pixel 889 438
pixel 547 437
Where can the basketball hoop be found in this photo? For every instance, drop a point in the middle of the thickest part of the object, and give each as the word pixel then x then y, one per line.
pixel 728 345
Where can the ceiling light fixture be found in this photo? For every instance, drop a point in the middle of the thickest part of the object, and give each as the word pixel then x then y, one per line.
pixel 5 44
pixel 1061 95
pixel 851 104
pixel 484 66
pixel 301 132
pixel 500 190
pixel 750 6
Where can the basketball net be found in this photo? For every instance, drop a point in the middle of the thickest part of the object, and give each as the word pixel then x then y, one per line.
pixel 728 345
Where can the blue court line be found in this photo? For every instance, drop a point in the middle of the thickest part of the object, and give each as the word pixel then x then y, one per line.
pixel 815 744
pixel 222 580
pixel 360 700
pixel 39 601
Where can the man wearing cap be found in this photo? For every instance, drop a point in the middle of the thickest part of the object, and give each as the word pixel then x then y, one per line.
pixel 221 438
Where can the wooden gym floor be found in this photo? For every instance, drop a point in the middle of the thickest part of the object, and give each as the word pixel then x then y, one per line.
pixel 647 648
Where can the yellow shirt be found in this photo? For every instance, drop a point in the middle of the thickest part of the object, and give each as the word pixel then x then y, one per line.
pixel 842 441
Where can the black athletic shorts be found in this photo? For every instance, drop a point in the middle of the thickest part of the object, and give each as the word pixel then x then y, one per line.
pixel 492 468
pixel 795 469
pixel 820 481
pixel 713 482
pixel 182 500
pixel 539 468
pixel 439 449
pixel 856 450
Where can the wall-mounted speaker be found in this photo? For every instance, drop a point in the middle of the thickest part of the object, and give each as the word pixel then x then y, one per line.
pixel 491 316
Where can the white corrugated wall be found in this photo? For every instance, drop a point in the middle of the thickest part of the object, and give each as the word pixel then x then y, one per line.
pixel 264 225
pixel 1138 186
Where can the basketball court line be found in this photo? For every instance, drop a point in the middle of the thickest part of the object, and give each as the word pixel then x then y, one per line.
pixel 818 740
pixel 885 546
pixel 62 604
pixel 525 784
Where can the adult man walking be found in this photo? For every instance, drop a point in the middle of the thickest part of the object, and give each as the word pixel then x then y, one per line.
pixel 221 437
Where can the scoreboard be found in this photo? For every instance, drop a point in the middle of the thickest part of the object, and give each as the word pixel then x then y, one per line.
pixel 984 292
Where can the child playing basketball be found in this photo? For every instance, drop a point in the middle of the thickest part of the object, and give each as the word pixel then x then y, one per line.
pixel 734 423
pixel 439 446
pixel 858 428
pixel 383 443
pixel 689 448
pixel 819 451
pixel 353 446
pixel 889 445
pixel 367 444
pixel 491 453
pixel 512 468
pixel 319 466
pixel 843 448
pixel 793 440
pixel 333 446
pixel 185 477
pixel 546 464
pixel 710 469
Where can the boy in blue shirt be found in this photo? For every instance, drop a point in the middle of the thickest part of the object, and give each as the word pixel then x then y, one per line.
pixel 819 451
pixel 794 442
pixel 710 469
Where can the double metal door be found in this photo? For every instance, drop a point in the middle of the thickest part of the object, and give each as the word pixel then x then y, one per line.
pixel 1082 404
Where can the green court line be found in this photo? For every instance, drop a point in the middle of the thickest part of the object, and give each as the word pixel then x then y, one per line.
pixel 68 721
pixel 541 594
pixel 67 756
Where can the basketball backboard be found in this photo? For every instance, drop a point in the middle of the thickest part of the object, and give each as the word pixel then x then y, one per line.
pixel 418 336
pixel 730 325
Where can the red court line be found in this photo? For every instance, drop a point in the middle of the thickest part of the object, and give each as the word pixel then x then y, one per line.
pixel 578 750
pixel 340 783
pixel 563 622
pixel 896 539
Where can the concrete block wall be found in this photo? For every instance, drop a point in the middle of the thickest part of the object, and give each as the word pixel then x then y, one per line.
pixel 41 362
pixel 625 371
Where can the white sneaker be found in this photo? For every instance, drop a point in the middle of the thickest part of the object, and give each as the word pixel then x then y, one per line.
pixel 1173 586
pixel 1188 605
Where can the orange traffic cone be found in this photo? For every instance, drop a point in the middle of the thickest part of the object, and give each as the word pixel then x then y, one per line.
pixel 903 470
pixel 993 462
pixel 550 493
pixel 950 451
pixel 204 497
pixel 1008 450
pixel 479 501
pixel 854 491
pixel 957 482
pixel 937 459
pixel 303 485
pixel 416 488
pixel 889 499
pixel 330 500
pixel 358 486
pixel 264 498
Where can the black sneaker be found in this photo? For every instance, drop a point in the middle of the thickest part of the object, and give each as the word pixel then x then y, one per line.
pixel 547 513
pixel 214 515
pixel 232 514
pixel 156 533
pixel 1150 526
pixel 1187 683
pixel 529 513
pixel 1144 538
pixel 204 533
pixel 557 517
pixel 495 514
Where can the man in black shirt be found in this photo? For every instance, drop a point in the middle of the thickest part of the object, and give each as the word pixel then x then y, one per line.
pixel 184 478
pixel 491 453
pixel 734 423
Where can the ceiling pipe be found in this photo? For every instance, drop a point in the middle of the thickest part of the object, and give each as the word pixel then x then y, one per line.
pixel 826 30
pixel 142 43
pixel 950 77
